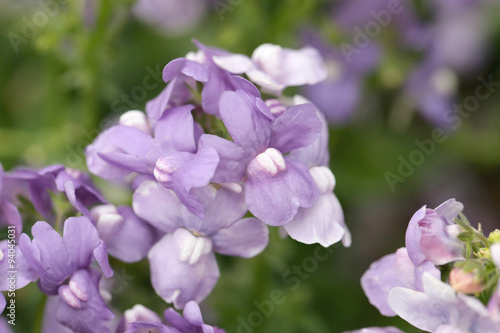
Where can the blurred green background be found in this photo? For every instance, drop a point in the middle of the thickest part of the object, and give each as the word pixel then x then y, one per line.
pixel 63 79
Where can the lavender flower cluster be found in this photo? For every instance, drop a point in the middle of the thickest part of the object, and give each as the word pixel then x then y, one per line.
pixel 212 162
pixel 428 283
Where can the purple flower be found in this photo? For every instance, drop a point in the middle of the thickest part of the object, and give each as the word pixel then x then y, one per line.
pixel 78 307
pixel 190 322
pixel 339 94
pixel 440 309
pixel 377 330
pixel 127 237
pixel 323 222
pixel 205 66
pixel 37 185
pixel 54 258
pixel 432 234
pixel 170 16
pixel 275 185
pixel 138 313
pixel 189 271
pixel 274 68
pixel 393 270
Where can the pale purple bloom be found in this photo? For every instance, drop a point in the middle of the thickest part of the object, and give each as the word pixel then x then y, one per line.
pixel 432 86
pixel 275 185
pixel 393 270
pixel 377 330
pixel 352 15
pixel 170 16
pixel 189 271
pixel 190 322
pixel 204 67
pixel 432 234
pixel 78 307
pixel 127 237
pixel 274 68
pixel 440 309
pixel 323 222
pixel 54 258
pixel 36 185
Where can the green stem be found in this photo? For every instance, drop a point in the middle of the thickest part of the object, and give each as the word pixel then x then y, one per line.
pixel 39 314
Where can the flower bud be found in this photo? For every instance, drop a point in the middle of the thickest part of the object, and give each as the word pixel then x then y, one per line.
pixel 484 253
pixel 465 282
pixel 494 236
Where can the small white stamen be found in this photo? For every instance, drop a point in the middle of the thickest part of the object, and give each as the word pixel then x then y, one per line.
pixel 163 170
pixel 68 297
pixel 271 162
pixel 77 291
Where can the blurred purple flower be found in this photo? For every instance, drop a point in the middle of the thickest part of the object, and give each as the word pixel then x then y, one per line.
pixel 170 16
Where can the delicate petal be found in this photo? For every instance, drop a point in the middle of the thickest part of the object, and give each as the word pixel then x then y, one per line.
pixel 234 63
pixel 9 215
pixel 133 231
pixel 245 123
pixel 159 206
pixel 322 223
pixel 138 313
pixel 449 209
pixel 297 127
pixel 275 199
pixel 101 256
pixel 185 273
pixel 245 238
pixel 80 248
pixel 189 68
pixel 175 130
pixel 393 270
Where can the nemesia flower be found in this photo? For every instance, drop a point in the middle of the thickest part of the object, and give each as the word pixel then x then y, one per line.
pixel 190 322
pixel 189 271
pixel 274 68
pixel 54 258
pixel 260 141
pixel 438 308
pixel 393 270
pixel 432 234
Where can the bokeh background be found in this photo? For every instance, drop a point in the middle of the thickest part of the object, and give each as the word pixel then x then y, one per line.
pixel 68 69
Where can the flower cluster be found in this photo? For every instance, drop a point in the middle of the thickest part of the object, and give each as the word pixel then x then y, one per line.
pixel 428 283
pixel 212 162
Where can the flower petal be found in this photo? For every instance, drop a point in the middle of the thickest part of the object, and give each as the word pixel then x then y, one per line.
pixel 245 238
